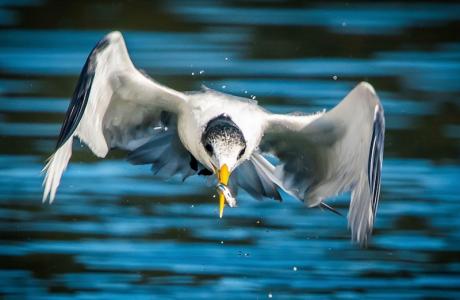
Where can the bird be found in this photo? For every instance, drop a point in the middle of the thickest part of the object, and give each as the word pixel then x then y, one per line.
pixel 311 157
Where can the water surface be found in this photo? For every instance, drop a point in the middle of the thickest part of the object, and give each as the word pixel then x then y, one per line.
pixel 116 231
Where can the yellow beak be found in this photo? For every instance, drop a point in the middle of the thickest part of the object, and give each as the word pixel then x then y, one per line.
pixel 222 176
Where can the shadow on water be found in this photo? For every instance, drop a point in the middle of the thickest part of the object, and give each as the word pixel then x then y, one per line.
pixel 115 231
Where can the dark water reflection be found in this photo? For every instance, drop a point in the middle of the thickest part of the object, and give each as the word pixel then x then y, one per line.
pixel 116 232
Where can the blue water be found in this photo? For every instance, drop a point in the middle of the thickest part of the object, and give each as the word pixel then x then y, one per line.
pixel 115 231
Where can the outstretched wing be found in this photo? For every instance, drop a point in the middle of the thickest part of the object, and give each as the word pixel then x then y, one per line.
pixel 114 105
pixel 325 154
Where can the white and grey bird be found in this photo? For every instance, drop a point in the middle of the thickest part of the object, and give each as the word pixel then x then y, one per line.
pixel 310 157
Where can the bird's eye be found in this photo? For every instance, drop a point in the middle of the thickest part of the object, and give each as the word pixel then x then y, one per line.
pixel 209 148
pixel 241 152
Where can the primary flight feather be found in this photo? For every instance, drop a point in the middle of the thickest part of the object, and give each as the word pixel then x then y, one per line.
pixel 203 133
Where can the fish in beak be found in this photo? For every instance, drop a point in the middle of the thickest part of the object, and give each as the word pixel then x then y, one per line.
pixel 223 175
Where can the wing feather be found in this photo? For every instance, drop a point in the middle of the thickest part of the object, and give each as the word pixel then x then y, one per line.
pixel 166 153
pixel 330 153
pixel 254 176
pixel 114 105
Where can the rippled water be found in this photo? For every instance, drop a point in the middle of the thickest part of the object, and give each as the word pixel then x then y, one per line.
pixel 116 231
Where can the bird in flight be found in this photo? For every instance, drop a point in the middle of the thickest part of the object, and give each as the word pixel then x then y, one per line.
pixel 309 156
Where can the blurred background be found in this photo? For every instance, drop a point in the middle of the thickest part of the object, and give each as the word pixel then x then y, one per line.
pixel 115 231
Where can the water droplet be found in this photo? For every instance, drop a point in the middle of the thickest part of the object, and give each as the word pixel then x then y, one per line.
pixel 253 97
pixel 226 58
pixel 334 77
pixel 193 73
pixel 201 71
pixel 221 242
pixel 192 206
pixel 214 196
pixel 294 269
pixel 166 128
pixel 270 295
pixel 245 92
pixel 258 222
pixel 224 86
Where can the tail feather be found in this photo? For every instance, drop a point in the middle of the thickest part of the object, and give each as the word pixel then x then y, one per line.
pixel 54 169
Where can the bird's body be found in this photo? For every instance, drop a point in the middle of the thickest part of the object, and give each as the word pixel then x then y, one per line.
pixel 208 105
pixel 206 132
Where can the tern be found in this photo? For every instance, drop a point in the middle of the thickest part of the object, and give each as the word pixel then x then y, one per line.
pixel 311 157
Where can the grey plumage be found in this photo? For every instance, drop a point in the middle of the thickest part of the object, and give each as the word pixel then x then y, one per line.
pixel 339 151
pixel 253 179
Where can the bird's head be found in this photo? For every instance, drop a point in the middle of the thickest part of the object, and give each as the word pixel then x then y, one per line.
pixel 225 146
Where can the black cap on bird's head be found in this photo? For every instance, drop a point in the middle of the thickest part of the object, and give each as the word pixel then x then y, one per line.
pixel 225 144
pixel 223 141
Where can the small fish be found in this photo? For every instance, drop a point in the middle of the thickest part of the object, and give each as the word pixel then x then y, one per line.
pixel 227 194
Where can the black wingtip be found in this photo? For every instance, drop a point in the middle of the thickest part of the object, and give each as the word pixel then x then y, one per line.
pixel 375 160
pixel 330 208
pixel 80 96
